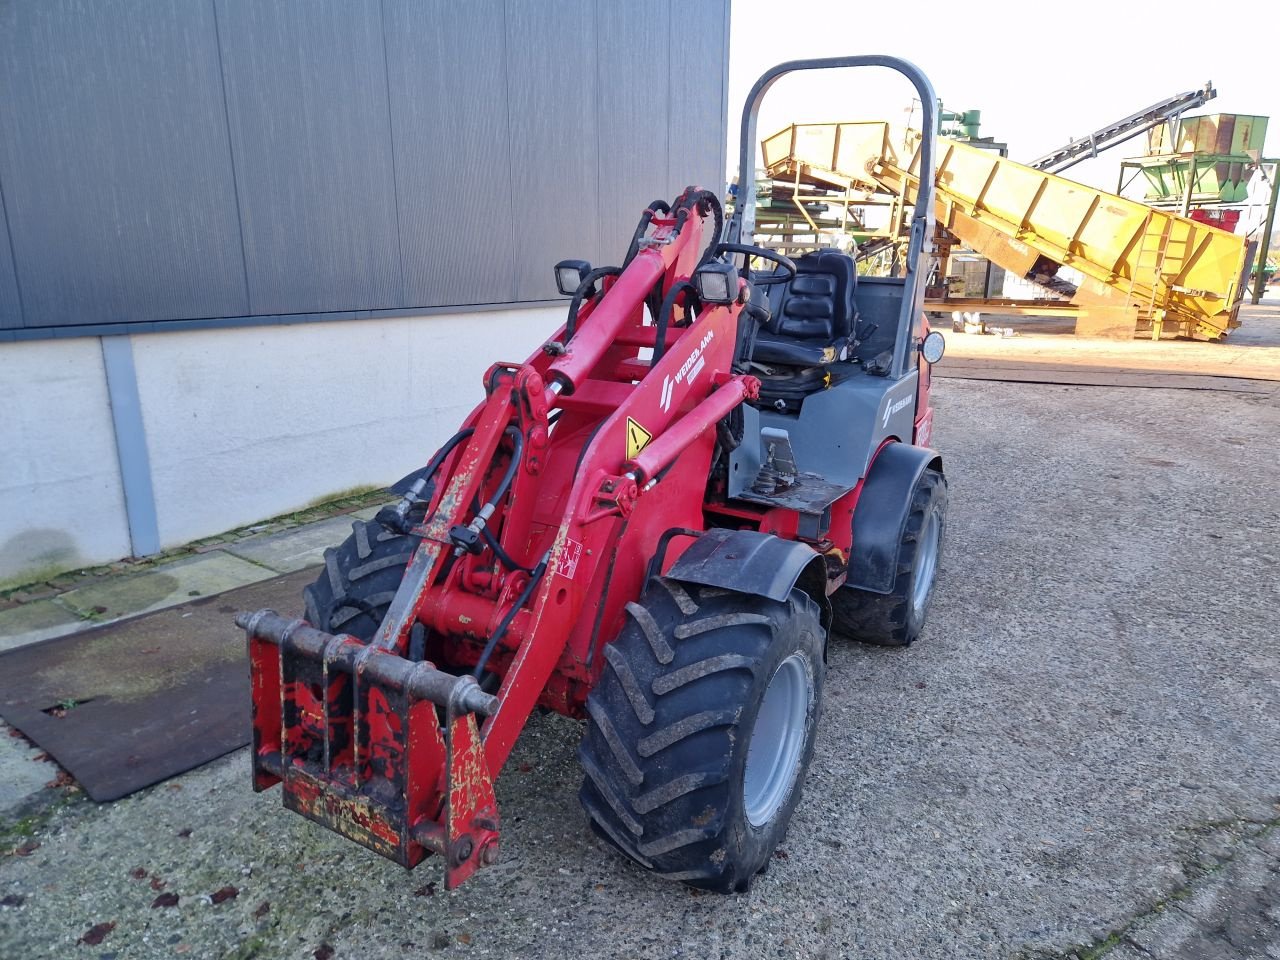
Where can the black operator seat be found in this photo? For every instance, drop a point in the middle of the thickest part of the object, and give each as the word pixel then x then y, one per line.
pixel 813 318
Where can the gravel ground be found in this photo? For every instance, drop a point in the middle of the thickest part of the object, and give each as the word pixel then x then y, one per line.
pixel 1081 755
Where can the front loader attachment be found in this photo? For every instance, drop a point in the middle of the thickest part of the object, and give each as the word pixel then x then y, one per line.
pixel 377 748
pixel 517 548
pixel 366 739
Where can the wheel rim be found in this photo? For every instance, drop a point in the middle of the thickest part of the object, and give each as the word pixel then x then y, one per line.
pixel 777 740
pixel 926 562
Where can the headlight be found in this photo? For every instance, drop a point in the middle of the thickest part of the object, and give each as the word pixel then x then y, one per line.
pixel 570 274
pixel 716 282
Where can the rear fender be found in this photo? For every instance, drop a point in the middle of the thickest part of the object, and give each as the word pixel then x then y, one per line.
pixel 747 561
pixel 880 518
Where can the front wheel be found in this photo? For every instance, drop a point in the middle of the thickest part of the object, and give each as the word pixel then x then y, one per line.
pixel 896 618
pixel 359 581
pixel 701 730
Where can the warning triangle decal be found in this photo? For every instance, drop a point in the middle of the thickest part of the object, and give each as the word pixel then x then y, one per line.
pixel 637 438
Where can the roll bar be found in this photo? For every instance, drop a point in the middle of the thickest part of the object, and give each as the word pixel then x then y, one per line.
pixel 920 245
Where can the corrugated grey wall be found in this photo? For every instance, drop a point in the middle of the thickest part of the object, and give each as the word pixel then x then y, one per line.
pixel 189 162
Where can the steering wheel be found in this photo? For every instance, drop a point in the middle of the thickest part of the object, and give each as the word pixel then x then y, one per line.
pixel 786 263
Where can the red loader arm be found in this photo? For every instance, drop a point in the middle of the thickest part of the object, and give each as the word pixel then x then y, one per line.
pixel 541 517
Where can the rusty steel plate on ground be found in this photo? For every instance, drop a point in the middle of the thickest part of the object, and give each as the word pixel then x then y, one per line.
pixel 128 704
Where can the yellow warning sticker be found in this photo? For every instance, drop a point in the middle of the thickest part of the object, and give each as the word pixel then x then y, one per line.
pixel 637 438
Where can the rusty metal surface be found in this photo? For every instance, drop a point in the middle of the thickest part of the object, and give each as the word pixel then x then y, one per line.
pixel 157 694
pixel 471 808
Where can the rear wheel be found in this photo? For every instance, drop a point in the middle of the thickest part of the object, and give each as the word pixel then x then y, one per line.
pixel 896 618
pixel 701 730
pixel 360 579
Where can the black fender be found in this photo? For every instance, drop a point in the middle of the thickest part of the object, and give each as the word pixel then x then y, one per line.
pixel 748 561
pixel 880 518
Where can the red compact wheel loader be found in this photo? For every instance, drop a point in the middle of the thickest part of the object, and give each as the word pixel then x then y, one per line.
pixel 653 524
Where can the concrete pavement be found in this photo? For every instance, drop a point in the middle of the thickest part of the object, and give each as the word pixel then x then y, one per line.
pixel 75 601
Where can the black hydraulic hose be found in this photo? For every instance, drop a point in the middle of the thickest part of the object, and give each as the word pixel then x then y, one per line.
pixel 664 317
pixel 504 558
pixel 688 201
pixel 466 537
pixel 434 463
pixel 516 607
pixel 681 214
pixel 682 217
pixel 692 201
pixel 714 202
pixel 582 454
pixel 653 299
pixel 646 218
pixel 588 284
pixel 397 516
pixel 517 443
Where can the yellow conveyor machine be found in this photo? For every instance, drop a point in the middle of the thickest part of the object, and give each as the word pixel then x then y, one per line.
pixel 1143 268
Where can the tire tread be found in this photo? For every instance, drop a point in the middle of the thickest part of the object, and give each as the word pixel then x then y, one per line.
pixel 885 619
pixel 659 752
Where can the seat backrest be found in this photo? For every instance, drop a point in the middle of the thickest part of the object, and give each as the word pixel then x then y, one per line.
pixel 818 304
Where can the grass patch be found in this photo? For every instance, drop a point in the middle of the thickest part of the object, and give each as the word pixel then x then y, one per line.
pixel 32 575
pixel 354 493
pixel 332 505
pixel 248 949
pixel 1101 949
pixel 15 833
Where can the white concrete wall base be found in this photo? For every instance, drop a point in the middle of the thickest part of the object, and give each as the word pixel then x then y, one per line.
pixel 241 424
pixel 61 503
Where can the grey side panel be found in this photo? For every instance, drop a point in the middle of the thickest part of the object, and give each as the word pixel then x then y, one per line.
pixel 452 152
pixel 838 430
pixel 115 164
pixel 307 104
pixel 10 301
pixel 746 460
pixel 632 102
pixel 551 50
pixel 699 39
pixel 879 301
pixel 881 515
pixel 746 561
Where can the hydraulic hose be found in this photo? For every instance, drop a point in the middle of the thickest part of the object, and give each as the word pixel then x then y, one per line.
pixel 682 214
pixel 465 538
pixel 664 317
pixel 714 202
pixel 516 607
pixel 517 444
pixel 694 200
pixel 434 463
pixel 502 555
pixel 587 285
pixel 399 514
pixel 646 218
